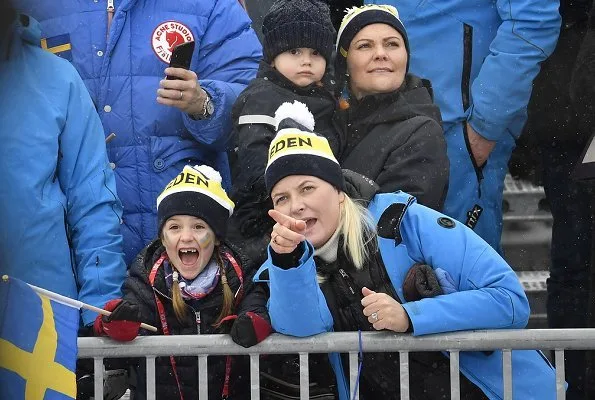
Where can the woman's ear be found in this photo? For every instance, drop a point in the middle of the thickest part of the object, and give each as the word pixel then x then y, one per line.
pixel 341 197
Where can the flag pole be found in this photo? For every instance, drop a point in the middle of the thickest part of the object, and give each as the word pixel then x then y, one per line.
pixel 79 304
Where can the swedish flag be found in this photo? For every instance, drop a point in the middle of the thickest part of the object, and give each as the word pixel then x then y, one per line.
pixel 59 45
pixel 37 344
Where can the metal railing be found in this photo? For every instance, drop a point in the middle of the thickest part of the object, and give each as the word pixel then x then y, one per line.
pixel 523 201
pixel 203 346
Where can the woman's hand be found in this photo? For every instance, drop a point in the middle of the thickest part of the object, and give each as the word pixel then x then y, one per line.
pixel 480 146
pixel 287 233
pixel 184 92
pixel 384 312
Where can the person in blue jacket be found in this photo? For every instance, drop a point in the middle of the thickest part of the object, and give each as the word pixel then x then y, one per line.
pixel 343 257
pixel 60 215
pixel 121 49
pixel 481 57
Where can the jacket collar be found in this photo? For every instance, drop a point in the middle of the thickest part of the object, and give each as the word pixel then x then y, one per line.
pixel 265 71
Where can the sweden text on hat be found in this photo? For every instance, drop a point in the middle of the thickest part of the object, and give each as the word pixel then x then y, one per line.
pixel 298 151
pixel 196 191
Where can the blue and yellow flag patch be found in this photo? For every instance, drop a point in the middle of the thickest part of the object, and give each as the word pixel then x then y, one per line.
pixel 38 347
pixel 59 45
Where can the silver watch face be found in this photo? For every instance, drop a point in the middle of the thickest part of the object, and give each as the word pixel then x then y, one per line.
pixel 210 108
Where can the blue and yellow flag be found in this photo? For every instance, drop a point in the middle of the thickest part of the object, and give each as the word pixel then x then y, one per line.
pixel 38 346
pixel 59 45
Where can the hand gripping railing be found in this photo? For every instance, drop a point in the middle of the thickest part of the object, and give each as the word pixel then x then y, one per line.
pixel 202 346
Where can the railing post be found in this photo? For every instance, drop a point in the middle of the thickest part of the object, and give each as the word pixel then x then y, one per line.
pixel 254 377
pixel 353 375
pixel 203 378
pixel 507 373
pixel 455 383
pixel 304 377
pixel 404 374
pixel 151 379
pixel 560 375
pixel 98 377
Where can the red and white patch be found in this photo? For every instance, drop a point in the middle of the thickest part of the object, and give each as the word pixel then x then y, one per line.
pixel 167 35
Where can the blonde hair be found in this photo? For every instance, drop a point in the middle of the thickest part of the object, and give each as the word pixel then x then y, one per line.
pixel 358 230
pixel 180 305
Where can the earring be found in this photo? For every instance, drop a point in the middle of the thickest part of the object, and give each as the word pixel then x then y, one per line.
pixel 344 98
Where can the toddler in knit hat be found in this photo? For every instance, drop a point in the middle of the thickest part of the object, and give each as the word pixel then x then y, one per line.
pixel 298 45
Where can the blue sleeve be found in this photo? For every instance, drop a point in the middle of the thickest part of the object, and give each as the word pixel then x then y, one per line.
pixel 93 210
pixel 229 53
pixel 501 92
pixel 297 306
pixel 489 294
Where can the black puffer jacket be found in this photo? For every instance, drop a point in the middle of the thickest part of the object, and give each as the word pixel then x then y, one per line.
pixel 396 139
pixel 250 224
pixel 582 85
pixel 137 289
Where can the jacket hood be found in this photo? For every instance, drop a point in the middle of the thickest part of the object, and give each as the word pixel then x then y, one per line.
pixel 23 28
pixel 359 187
pixel 414 98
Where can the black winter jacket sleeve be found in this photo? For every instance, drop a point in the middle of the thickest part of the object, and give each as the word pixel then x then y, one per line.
pixel 419 166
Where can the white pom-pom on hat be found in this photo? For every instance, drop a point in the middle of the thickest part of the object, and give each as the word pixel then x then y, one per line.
pixel 209 172
pixel 296 111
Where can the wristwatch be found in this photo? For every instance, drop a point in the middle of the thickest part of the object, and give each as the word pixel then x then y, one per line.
pixel 208 108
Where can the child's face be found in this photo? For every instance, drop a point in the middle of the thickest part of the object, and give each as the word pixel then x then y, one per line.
pixel 302 66
pixel 189 242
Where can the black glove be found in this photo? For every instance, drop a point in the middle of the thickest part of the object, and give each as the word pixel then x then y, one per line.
pixel 250 329
pixel 420 283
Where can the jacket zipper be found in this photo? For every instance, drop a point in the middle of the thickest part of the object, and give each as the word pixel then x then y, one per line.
pixel 197 318
pixel 467 59
pixel 465 95
pixel 110 15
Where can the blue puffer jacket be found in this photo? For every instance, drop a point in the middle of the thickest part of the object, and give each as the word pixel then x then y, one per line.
pixel 122 68
pixel 60 216
pixel 488 296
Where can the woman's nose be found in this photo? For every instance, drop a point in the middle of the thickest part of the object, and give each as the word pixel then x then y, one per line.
pixel 380 53
pixel 297 207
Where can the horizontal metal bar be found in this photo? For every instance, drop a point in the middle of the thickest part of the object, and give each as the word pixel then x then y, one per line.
pixel 527 218
pixel 342 342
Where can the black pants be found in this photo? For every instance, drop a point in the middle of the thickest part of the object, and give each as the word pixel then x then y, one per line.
pixel 572 235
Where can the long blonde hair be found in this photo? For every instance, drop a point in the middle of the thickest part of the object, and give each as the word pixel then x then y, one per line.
pixel 180 306
pixel 358 230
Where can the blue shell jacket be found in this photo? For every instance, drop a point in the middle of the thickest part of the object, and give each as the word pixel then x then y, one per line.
pixel 481 56
pixel 488 296
pixel 122 68
pixel 60 216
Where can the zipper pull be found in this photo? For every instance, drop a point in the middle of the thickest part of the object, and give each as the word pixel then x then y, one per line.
pixel 110 6
pixel 197 316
